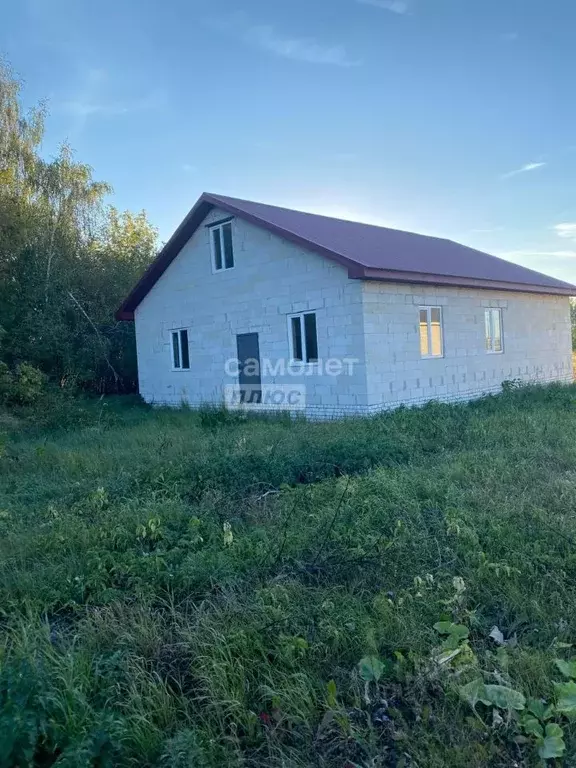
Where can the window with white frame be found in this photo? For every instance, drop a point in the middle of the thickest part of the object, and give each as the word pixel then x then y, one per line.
pixel 493 326
pixel 221 245
pixel 303 337
pixel 180 352
pixel 431 342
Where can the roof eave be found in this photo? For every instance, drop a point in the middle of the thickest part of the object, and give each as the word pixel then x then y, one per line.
pixel 394 276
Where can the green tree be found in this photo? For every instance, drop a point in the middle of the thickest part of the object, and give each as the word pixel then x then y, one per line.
pixel 66 259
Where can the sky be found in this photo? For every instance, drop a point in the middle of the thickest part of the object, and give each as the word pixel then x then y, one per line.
pixel 454 118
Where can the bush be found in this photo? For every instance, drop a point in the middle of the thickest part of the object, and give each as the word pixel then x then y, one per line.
pixel 28 384
pixel 23 386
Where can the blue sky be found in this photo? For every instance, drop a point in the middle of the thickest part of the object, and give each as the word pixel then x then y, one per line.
pixel 448 117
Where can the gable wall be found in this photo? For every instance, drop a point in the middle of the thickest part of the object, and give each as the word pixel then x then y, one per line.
pixel 272 278
pixel 536 332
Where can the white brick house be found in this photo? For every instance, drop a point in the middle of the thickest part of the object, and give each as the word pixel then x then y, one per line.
pixel 351 318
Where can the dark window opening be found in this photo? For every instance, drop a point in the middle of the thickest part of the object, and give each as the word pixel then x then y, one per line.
pixel 175 350
pixel 217 249
pixel 304 337
pixel 296 339
pixel 184 349
pixel 180 351
pixel 228 252
pixel 311 338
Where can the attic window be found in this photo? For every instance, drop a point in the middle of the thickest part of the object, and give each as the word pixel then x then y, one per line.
pixel 221 245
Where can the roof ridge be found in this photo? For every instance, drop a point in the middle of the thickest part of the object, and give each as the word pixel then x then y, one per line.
pixel 325 216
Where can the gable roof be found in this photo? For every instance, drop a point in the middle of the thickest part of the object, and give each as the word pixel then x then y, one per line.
pixel 369 252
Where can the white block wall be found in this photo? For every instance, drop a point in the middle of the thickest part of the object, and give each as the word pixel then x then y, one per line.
pixel 271 279
pixel 536 334
pixel 372 322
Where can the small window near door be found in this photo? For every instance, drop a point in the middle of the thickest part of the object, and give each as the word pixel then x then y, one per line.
pixel 303 337
pixel 180 351
pixel 431 342
pixel 493 326
pixel 222 248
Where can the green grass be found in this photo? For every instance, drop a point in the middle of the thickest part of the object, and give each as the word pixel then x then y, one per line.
pixel 194 589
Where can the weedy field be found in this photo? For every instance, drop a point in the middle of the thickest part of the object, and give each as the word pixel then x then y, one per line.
pixel 194 589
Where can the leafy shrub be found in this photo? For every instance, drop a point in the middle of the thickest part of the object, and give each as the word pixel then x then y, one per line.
pixel 23 386
pixel 28 384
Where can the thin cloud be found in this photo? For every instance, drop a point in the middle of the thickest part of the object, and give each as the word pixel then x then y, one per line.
pixel 395 6
pixel 509 37
pixel 93 99
pixel 82 108
pixel 523 169
pixel 306 49
pixel 266 38
pixel 566 230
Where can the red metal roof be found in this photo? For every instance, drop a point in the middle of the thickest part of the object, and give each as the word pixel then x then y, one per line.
pixel 369 252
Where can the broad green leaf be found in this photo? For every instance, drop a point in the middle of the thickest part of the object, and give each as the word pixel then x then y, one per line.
pixel 552 745
pixel 568 668
pixel 451 643
pixel 505 698
pixel 460 631
pixel 540 709
pixel 565 697
pixel 443 627
pixel 331 690
pixel 474 692
pixel 532 727
pixel 536 707
pixel 449 628
pixel 549 712
pixel 370 668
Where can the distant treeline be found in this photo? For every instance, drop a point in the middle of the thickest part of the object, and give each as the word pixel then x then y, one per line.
pixel 66 262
